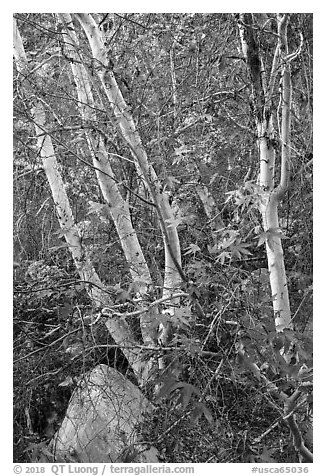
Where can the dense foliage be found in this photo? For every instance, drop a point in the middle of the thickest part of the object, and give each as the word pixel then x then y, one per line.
pixel 200 134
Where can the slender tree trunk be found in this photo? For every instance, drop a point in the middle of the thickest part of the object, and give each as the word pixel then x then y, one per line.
pixel 175 97
pixel 264 115
pixel 118 327
pixel 108 184
pixel 211 209
pixel 271 194
pixel 130 134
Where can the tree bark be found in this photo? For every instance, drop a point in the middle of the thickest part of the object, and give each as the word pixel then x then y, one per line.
pixel 270 194
pixel 108 183
pixel 118 327
pixel 266 137
pixel 145 170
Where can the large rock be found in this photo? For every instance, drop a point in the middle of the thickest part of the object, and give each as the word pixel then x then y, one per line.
pixel 100 422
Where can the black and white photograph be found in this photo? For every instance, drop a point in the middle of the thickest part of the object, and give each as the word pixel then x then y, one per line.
pixel 162 241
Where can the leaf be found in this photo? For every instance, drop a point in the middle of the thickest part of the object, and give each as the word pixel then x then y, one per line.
pixel 192 248
pixel 212 249
pixel 240 249
pixel 129 454
pixel 39 449
pixel 278 343
pixel 230 241
pixel 267 236
pixel 262 238
pixel 181 150
pixel 167 388
pixel 181 317
pixel 186 391
pixel 193 291
pixel 185 396
pixel 266 456
pixel 193 348
pixel 57 248
pixel 60 232
pixel 230 195
pixel 75 349
pixel 174 222
pixel 78 138
pixel 46 293
pixel 171 181
pixel 122 296
pixel 201 409
pixel 214 177
pixel 137 286
pixel 289 334
pixel 68 382
pixel 207 414
pixel 277 232
pixel 225 254
pixel 95 207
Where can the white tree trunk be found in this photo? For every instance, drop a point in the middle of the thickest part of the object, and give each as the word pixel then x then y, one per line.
pixel 108 184
pixel 57 186
pixel 270 195
pixel 129 132
pixel 118 327
pixel 274 250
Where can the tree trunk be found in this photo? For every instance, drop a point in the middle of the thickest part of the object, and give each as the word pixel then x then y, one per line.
pixel 108 183
pixel 270 195
pixel 118 327
pixel 145 170
pixel 211 209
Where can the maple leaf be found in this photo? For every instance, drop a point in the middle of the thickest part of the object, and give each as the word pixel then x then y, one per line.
pixel 192 248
